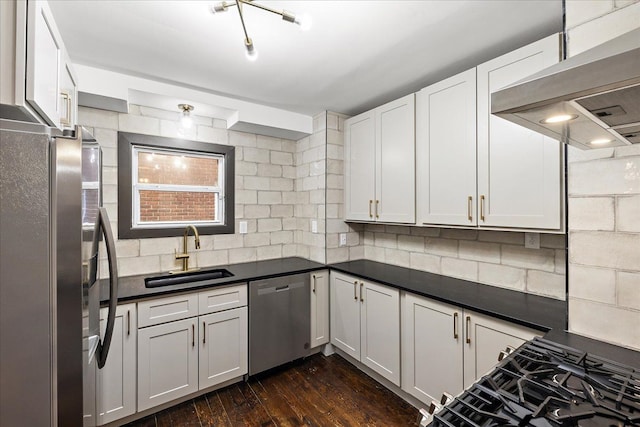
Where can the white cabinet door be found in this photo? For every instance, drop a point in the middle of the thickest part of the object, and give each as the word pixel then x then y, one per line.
pixel 485 337
pixel 223 346
pixel 446 151
pixel 44 54
pixel 116 389
pixel 345 314
pixel 167 362
pixel 380 329
pixel 319 308
pixel 395 161
pixel 431 348
pixel 359 164
pixel 519 170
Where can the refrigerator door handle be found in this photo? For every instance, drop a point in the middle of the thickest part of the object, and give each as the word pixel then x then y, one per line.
pixel 105 343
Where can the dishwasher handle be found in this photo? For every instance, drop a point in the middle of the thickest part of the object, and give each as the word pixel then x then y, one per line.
pixel 282 288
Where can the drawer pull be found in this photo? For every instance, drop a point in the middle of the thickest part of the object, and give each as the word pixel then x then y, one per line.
pixel 482 207
pixel 314 284
pixel 193 335
pixel 468 329
pixel 470 208
pixel 66 120
pixel 355 290
pixel 455 325
pixel 128 322
pixel 370 203
pixel 204 332
pixel 361 293
pixel 377 208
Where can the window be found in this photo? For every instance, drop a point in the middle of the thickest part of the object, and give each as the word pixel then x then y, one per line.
pixel 165 184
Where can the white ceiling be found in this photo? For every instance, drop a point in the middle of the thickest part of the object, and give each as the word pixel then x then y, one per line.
pixel 357 55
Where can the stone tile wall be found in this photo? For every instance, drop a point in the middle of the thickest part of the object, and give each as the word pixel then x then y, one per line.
pixel 266 197
pixel 604 204
pixel 496 258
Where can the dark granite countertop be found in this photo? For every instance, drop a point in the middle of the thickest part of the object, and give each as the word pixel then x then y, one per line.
pixel 544 314
pixel 532 311
pixel 132 288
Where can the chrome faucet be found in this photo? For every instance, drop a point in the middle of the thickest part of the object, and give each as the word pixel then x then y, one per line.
pixel 185 255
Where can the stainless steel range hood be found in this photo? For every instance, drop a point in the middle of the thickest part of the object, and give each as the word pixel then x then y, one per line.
pixel 598 91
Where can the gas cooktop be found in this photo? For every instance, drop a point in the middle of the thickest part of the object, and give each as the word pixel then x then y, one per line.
pixel 544 384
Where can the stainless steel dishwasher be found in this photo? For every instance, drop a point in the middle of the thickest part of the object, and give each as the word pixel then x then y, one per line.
pixel 279 321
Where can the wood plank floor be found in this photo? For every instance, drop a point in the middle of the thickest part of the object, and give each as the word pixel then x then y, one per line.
pixel 317 391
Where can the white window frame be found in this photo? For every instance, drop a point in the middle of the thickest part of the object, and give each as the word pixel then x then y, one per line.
pixel 136 187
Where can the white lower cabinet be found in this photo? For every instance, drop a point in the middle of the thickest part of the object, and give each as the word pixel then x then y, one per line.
pixel 446 348
pixel 116 381
pixel 167 362
pixel 319 308
pixel 223 346
pixel 365 323
pixel 191 342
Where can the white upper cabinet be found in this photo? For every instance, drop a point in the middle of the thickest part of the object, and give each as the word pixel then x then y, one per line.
pixel 44 62
pixel 38 82
pixel 360 162
pixel 446 151
pixel 519 170
pixel 380 164
pixel 395 161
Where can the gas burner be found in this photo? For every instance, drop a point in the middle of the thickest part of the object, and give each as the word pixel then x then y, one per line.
pixel 576 385
pixel 543 384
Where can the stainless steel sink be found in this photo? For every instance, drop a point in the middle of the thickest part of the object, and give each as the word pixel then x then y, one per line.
pixel 186 277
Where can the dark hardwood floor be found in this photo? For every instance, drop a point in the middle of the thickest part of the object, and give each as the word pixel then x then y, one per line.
pixel 317 391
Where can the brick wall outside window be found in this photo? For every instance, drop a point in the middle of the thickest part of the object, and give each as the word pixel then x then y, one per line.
pixel 176 206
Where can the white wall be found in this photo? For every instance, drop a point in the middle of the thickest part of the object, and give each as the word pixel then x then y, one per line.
pixel 604 204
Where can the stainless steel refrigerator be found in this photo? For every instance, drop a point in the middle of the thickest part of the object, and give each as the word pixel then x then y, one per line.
pixel 51 222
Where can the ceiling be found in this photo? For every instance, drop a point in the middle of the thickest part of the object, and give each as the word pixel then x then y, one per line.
pixel 357 55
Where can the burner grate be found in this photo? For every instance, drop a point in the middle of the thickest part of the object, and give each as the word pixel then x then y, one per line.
pixel 543 384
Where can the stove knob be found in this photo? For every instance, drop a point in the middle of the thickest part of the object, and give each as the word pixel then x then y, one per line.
pixel 509 349
pixel 434 407
pixel 502 355
pixel 446 398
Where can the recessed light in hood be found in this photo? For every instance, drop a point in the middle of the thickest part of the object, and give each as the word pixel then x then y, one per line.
pixel 597 92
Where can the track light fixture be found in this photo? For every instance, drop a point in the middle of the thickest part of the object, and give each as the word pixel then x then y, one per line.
pixel 252 54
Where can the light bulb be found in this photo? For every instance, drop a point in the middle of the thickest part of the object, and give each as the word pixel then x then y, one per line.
pixel 602 141
pixel 186 121
pixel 251 52
pixel 218 7
pixel 304 21
pixel 559 118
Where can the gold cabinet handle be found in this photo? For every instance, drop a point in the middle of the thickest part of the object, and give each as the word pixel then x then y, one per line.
pixel 314 284
pixel 455 325
pixel 355 290
pixel 193 335
pixel 204 332
pixel 361 297
pixel 377 208
pixel 482 207
pixel 370 203
pixel 470 208
pixel 66 120
pixel 128 322
pixel 468 330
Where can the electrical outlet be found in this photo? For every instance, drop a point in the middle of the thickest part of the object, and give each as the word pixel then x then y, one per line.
pixel 343 239
pixel 532 240
pixel 314 226
pixel 242 225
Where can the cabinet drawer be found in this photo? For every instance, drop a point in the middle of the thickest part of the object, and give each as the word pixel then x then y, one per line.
pixel 220 299
pixel 167 309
